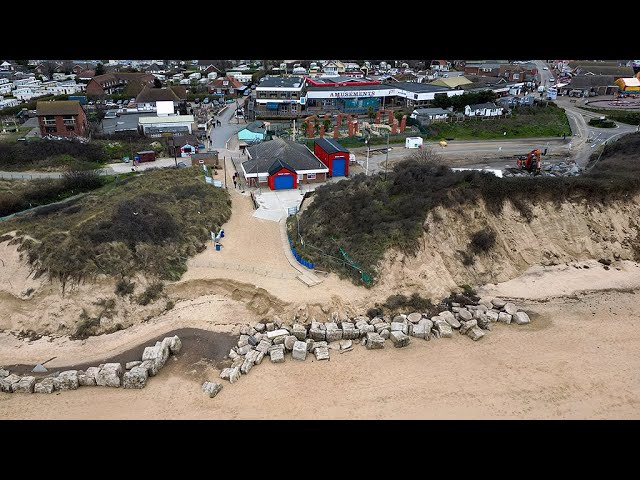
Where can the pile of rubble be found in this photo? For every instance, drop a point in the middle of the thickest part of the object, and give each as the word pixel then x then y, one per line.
pixel 134 375
pixel 275 339
pixel 562 169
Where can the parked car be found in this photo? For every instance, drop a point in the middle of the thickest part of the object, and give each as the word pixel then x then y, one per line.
pixel 206 100
pixel 197 100
pixel 182 165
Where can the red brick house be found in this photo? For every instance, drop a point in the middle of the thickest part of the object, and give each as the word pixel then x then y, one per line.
pixel 225 86
pixel 118 82
pixel 63 118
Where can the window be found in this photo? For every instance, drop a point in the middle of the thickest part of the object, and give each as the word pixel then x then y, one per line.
pixel 50 129
pixel 225 83
pixel 516 76
pixel 294 108
pixel 300 177
pixel 311 176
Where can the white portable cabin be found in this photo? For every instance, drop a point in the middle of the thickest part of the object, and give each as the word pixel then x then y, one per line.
pixel 413 142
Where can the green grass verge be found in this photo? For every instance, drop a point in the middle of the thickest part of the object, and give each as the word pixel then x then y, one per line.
pixel 525 122
pixel 624 116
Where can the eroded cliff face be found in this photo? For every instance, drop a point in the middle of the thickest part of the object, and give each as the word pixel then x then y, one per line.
pixel 558 233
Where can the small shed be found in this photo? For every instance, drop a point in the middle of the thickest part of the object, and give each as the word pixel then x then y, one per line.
pixel 146 156
pixel 333 155
pixel 254 132
pixel 413 142
pixel 282 176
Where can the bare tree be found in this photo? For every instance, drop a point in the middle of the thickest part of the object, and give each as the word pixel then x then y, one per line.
pixel 425 155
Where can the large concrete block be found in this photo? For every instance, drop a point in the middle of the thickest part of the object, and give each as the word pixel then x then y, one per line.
pixel 289 341
pixel 450 318
pixel 419 330
pixel 374 341
pixel 299 332
pixel 333 335
pixel 399 339
pixel 475 333
pixel 45 386
pixel 6 384
pixel 277 333
pixel 399 327
pixel 493 315
pixel 299 351
pixel 234 375
pixel 444 329
pixel 135 378
pixel 379 327
pixel 321 353
pixel 25 385
pixel 150 365
pixel 317 334
pixel 264 346
pixel 521 318
pixel 498 303
pixel 349 331
pixel 67 380
pixel 466 326
pixel 504 318
pixel 244 350
pixel 510 308
pixel 414 317
pixel 211 389
pixel 110 375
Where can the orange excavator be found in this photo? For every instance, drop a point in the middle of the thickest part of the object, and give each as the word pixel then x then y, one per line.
pixel 530 162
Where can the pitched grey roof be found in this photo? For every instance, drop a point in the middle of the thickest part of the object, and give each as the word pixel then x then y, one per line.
pixel 482 106
pixel 296 155
pixel 256 127
pixel 329 145
pixel 587 81
pixel 416 87
pixel 431 111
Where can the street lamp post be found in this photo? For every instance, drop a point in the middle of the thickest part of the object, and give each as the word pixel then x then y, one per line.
pixel 366 170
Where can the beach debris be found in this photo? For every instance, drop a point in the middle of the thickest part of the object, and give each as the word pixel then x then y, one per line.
pixel 39 368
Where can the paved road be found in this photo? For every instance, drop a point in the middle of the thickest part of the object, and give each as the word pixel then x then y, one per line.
pixel 229 128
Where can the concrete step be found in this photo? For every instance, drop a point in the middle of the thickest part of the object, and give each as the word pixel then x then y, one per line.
pixel 309 282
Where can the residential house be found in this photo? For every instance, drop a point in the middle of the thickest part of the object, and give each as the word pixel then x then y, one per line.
pixel 225 86
pixel 427 116
pixel 154 68
pixel 43 68
pixel 7 66
pixel 62 118
pixel 333 68
pixel 282 164
pixel 254 132
pixel 118 82
pixel 482 69
pixel 489 109
pixel 440 65
pixel 208 66
pixel 86 75
pixel 149 96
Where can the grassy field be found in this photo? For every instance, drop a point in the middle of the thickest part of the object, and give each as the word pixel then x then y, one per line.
pixel 525 122
pixel 13 136
pixel 149 223
pixel 366 216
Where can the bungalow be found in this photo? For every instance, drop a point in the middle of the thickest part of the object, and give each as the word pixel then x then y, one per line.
pixel 483 110
pixel 428 115
pixel 282 164
pixel 254 132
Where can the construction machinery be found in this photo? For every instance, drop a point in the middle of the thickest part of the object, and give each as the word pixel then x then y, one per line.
pixel 530 162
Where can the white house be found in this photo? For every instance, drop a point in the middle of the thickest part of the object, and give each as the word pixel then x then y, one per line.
pixel 212 75
pixel 241 77
pixel 483 110
pixel 5 88
pixel 195 76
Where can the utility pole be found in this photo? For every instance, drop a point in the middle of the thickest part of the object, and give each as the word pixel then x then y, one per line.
pixel 224 166
pixel 366 169
pixel 386 163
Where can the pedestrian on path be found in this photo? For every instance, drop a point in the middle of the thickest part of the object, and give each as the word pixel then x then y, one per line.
pixel 235 183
